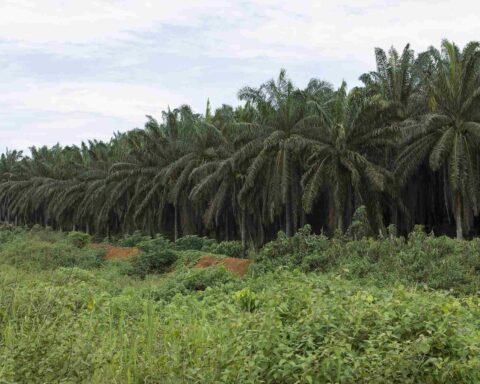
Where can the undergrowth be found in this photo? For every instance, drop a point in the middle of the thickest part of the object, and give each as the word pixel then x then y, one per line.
pixel 373 311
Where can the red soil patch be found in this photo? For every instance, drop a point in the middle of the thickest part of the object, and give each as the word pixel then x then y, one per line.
pixel 116 253
pixel 232 264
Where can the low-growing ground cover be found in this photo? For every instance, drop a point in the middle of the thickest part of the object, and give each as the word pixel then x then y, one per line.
pixel 73 321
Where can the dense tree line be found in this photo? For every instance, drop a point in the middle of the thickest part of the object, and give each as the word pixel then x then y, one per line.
pixel 405 145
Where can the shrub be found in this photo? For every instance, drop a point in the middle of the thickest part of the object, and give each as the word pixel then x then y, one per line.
pixel 33 254
pixel 360 226
pixel 156 256
pixel 188 258
pixel 185 281
pixel 79 239
pixel 132 240
pixel 6 234
pixel 158 261
pixel 158 243
pixel 194 242
pixel 247 299
pixel 228 248
pixel 438 262
pixel 290 251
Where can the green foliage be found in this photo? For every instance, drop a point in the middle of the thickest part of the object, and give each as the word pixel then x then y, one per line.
pixel 156 256
pixel 158 243
pixel 152 262
pixel 436 262
pixel 132 240
pixel 188 258
pixel 290 251
pixel 30 252
pixel 228 248
pixel 193 242
pixel 247 299
pixel 7 233
pixel 60 323
pixel 197 243
pixel 79 239
pixel 184 281
pixel 360 226
pixel 280 328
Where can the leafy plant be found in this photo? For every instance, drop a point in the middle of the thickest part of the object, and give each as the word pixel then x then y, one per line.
pixel 79 239
pixel 194 242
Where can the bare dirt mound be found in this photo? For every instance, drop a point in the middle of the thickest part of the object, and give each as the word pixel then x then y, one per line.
pixel 116 253
pixel 232 264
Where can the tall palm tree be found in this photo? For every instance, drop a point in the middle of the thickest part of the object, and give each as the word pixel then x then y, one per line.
pixel 449 134
pixel 281 111
pixel 340 160
pixel 395 86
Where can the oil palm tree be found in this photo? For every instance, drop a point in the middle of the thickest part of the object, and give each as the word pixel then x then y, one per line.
pixel 281 111
pixel 448 136
pixel 341 158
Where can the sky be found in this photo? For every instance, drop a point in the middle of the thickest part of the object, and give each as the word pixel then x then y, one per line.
pixel 73 70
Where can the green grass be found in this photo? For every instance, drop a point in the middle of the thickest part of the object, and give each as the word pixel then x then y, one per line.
pixel 93 323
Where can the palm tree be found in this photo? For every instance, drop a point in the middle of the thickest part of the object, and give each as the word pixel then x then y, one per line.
pixel 395 86
pixel 394 82
pixel 449 134
pixel 281 111
pixel 340 160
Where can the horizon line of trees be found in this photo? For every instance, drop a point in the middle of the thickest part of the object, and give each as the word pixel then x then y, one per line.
pixel 405 145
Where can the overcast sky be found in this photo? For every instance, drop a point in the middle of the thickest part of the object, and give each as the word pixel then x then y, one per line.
pixel 77 69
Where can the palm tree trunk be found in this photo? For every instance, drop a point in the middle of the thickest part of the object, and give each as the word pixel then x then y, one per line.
pixel 288 213
pixel 243 231
pixel 175 219
pixel 445 192
pixel 227 226
pixel 458 215
pixel 338 204
pixel 340 221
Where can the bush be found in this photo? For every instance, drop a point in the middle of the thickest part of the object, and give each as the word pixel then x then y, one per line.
pixel 79 239
pixel 360 226
pixel 158 243
pixel 194 242
pixel 33 254
pixel 247 299
pixel 158 261
pixel 185 281
pixel 132 240
pixel 290 251
pixel 7 234
pixel 438 262
pixel 228 248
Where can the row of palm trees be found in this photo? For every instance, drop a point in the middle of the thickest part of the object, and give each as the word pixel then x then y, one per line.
pixel 405 145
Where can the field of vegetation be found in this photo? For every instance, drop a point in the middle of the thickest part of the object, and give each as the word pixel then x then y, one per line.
pixel 311 309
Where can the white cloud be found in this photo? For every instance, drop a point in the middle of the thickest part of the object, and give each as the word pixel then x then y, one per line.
pixel 124 101
pixel 283 30
pixel 42 113
pixel 333 27
pixel 59 21
pixel 337 36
